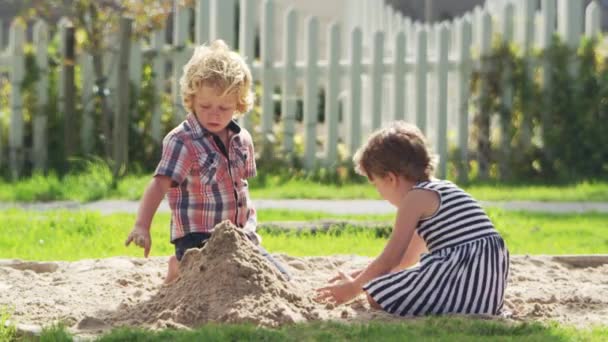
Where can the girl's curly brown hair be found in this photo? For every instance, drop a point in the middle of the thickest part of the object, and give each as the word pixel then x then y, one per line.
pixel 400 148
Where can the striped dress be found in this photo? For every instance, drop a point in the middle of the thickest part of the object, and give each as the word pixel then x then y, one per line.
pixel 465 270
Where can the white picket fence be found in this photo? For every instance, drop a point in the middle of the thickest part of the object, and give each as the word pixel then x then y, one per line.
pixel 388 67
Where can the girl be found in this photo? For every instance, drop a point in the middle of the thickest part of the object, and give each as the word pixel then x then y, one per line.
pixel 467 264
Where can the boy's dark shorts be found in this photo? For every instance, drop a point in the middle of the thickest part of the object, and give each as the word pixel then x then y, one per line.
pixel 192 240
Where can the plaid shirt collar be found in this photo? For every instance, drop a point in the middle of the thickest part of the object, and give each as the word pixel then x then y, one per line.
pixel 198 131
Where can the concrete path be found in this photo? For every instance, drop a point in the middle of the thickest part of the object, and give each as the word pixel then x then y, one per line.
pixel 330 206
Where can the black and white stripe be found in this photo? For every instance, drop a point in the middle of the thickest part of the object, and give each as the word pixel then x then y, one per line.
pixel 465 270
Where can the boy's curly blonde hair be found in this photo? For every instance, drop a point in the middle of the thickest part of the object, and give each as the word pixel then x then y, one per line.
pixel 400 148
pixel 215 65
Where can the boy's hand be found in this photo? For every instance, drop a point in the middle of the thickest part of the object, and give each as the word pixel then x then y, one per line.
pixel 141 237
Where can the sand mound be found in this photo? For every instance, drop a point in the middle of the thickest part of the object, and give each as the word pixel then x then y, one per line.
pixel 228 280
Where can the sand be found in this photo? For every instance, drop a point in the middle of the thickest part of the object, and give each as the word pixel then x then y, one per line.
pixel 229 281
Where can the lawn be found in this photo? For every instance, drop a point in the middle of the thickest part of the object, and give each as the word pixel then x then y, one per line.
pixel 67 235
pixel 430 329
pixel 70 235
pixel 96 184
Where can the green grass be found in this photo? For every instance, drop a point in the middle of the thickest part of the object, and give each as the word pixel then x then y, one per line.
pixel 66 235
pixel 95 183
pixel 428 329
pixel 7 330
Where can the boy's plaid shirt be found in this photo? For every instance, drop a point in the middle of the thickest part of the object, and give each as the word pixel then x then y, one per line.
pixel 207 187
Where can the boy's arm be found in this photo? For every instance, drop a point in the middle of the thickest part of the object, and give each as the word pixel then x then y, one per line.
pixel 153 195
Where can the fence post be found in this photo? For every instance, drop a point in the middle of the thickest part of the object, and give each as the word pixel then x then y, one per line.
pixel 17 74
pixel 399 96
pixel 420 80
pixel 288 96
pixel 311 93
pixel 267 75
pixel 354 117
pixel 442 94
pixel 376 79
pixel 463 49
pixel 39 125
pixel 331 95
pixel 120 133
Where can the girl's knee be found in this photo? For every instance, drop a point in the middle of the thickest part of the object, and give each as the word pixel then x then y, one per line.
pixel 372 302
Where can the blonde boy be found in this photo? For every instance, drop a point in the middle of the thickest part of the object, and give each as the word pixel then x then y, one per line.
pixel 207 159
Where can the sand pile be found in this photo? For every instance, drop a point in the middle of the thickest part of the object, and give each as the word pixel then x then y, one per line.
pixel 228 280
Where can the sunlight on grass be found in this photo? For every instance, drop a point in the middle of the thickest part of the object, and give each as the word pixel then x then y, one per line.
pixel 94 182
pixel 7 329
pixel 66 235
pixel 428 328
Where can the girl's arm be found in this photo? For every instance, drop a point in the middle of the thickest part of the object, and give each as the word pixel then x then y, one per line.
pixel 415 205
pixel 416 247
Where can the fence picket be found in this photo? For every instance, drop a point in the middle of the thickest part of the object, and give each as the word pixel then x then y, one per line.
pixel 87 135
pixel 180 58
pixel 593 19
pixel 442 96
pixel 354 118
pixel 311 92
pixel 203 15
pixel 420 105
pixel 377 77
pixel 399 96
pixel 158 76
pixel 39 121
pixel 248 12
pixel 507 96
pixel 17 74
pixel 267 75
pixel 463 48
pixel 331 95
pixel 288 95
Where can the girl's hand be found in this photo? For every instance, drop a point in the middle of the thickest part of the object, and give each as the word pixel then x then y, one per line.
pixel 340 293
pixel 340 275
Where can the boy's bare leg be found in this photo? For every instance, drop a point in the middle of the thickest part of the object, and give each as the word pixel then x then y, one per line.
pixel 173 271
